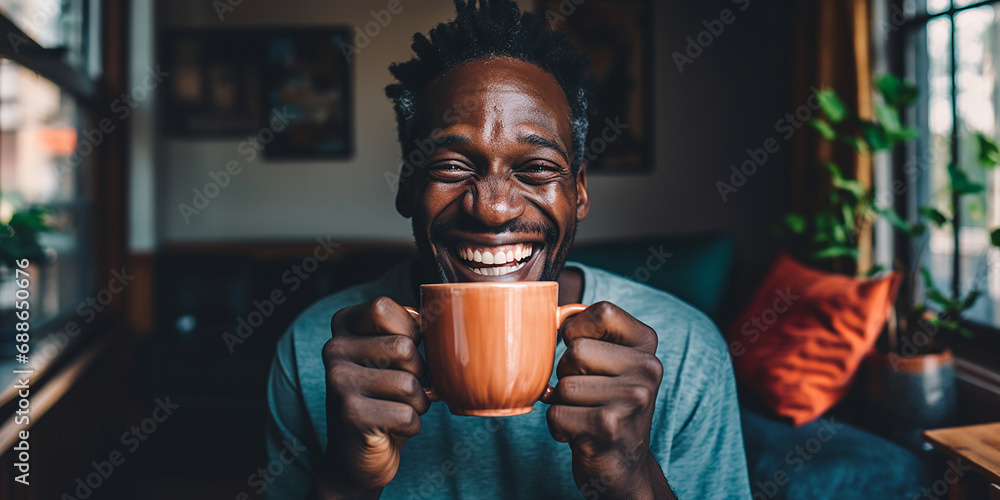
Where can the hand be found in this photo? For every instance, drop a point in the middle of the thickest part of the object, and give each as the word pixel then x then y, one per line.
pixel 603 403
pixel 374 397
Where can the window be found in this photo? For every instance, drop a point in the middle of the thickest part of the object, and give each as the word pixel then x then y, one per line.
pixel 952 51
pixel 47 77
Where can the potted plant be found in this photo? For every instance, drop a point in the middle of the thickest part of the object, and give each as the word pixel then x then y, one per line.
pixel 911 379
pixel 20 229
pixel 911 372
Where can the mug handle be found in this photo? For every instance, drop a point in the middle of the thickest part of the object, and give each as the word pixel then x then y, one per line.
pixel 429 391
pixel 562 314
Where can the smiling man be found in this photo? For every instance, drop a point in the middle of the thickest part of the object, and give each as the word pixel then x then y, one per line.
pixel 644 403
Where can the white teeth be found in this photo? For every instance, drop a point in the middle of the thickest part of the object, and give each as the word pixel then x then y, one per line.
pixel 527 252
pixel 500 258
pixel 517 252
pixel 487 258
pixel 496 271
pixel 477 257
pixel 510 256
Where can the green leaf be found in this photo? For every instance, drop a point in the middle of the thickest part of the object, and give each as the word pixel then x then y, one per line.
pixel 835 251
pixel 989 153
pixel 848 213
pixel 894 219
pixel 965 332
pixel 960 182
pixel 896 91
pixel 796 223
pixel 888 118
pixel 995 237
pixel 935 215
pixel 970 299
pixel 906 134
pixel 824 128
pixel 832 106
pixel 876 136
pixel 854 142
pixel 928 280
pixel 917 229
pixel 875 269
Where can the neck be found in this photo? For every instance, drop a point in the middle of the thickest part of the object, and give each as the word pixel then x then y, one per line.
pixel 570 286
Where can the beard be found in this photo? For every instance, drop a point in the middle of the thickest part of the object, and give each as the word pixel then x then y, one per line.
pixel 431 265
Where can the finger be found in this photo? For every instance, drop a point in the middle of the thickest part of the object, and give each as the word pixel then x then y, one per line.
pixel 382 352
pixel 394 385
pixel 391 417
pixel 380 316
pixel 606 321
pixel 585 356
pixel 596 390
pixel 568 424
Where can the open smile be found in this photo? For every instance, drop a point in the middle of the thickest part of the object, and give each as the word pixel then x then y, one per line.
pixel 481 259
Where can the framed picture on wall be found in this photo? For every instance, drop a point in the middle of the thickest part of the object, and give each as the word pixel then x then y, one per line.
pixel 288 89
pixel 617 36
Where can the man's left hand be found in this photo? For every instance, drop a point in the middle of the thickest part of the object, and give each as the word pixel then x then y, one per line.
pixel 603 403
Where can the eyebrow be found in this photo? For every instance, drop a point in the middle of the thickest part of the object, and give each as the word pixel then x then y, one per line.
pixel 538 140
pixel 534 139
pixel 450 140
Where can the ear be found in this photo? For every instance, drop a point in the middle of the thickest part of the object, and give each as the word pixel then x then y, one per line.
pixel 404 197
pixel 582 198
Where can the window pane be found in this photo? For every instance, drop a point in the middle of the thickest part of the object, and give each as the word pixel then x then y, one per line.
pixel 934 144
pixel 52 23
pixel 42 158
pixel 976 51
pixel 935 6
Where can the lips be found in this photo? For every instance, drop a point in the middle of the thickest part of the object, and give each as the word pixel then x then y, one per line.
pixel 495 260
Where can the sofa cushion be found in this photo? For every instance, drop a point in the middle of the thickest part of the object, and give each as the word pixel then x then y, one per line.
pixel 827 459
pixel 694 268
pixel 801 340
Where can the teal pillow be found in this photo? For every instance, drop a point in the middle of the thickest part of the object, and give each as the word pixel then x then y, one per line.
pixel 694 268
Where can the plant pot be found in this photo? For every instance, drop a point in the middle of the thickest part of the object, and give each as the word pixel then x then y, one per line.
pixel 908 394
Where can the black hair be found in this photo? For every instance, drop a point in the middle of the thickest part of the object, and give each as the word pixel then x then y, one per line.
pixel 494 28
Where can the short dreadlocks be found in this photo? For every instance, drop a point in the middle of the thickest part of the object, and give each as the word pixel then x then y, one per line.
pixel 494 28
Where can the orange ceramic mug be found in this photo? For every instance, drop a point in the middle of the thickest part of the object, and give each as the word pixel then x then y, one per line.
pixel 490 346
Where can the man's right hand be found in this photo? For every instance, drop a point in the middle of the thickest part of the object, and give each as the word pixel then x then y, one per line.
pixel 374 397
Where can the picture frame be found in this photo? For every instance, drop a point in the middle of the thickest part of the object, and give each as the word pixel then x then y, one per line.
pixel 617 37
pixel 290 89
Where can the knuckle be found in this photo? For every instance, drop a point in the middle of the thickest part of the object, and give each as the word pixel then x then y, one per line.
pixel 640 395
pixel 653 367
pixel 608 423
pixel 401 347
pixel 408 384
pixel 603 311
pixel 382 306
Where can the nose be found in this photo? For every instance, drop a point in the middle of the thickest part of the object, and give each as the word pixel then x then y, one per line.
pixel 494 201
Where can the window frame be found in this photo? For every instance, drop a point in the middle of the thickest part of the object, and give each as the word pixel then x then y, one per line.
pixel 102 183
pixel 901 62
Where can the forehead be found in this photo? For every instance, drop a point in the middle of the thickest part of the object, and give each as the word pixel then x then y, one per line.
pixel 497 88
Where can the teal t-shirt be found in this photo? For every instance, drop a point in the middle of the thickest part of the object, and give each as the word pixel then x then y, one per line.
pixel 695 434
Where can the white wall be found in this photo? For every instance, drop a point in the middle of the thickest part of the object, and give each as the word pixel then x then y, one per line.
pixel 699 134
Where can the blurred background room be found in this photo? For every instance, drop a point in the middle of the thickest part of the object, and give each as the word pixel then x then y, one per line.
pixel 180 179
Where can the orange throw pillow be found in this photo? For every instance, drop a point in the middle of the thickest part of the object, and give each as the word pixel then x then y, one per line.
pixel 802 338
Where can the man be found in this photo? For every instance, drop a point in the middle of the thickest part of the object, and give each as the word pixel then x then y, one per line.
pixel 493 109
